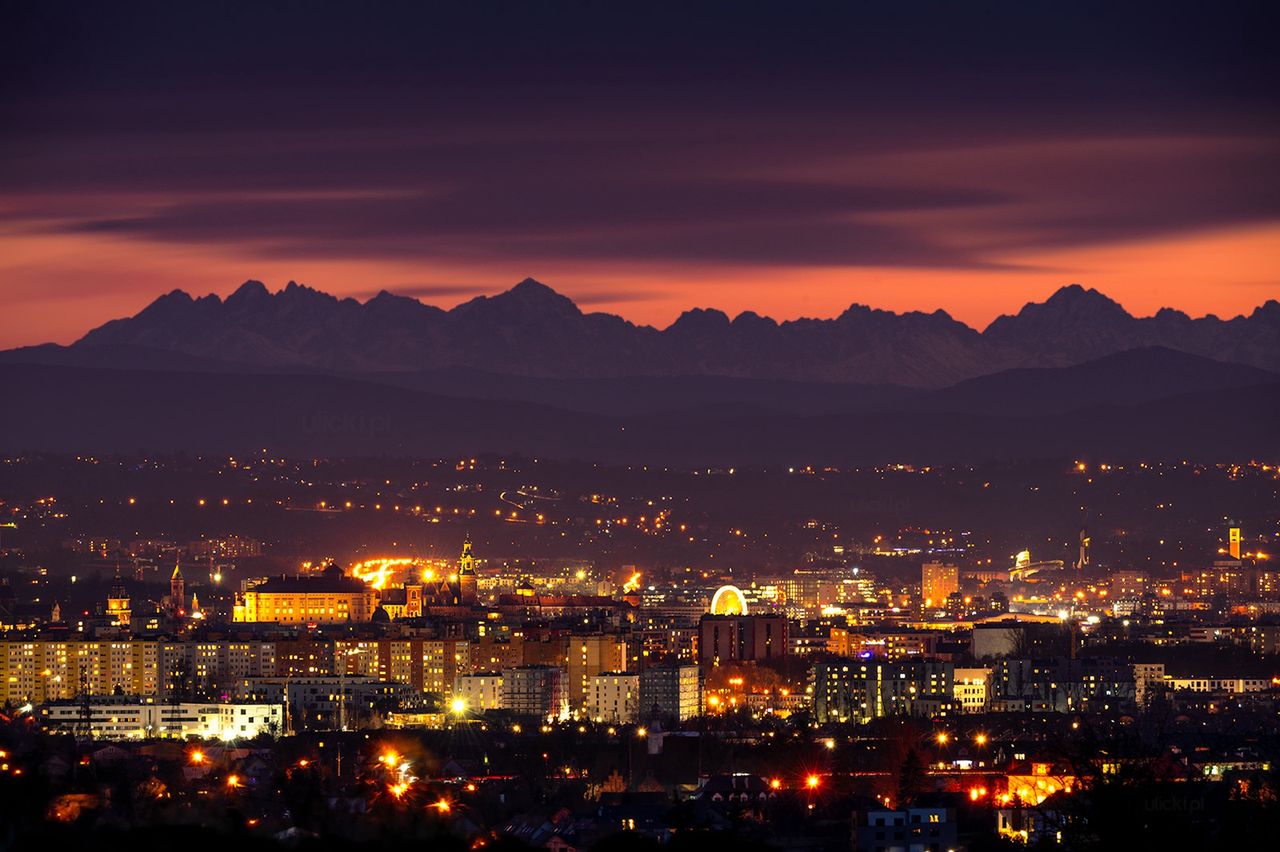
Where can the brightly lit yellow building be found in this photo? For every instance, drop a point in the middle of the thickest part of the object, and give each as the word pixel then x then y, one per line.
pixel 39 671
pixel 331 598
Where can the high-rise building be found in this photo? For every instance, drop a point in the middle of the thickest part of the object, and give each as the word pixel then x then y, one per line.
pixel 937 582
pixel 614 697
pixel 478 691
pixel 589 656
pixel 670 692
pixel 860 690
pixel 535 691
pixel 741 638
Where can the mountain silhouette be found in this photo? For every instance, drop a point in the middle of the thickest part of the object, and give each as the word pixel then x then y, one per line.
pixel 533 331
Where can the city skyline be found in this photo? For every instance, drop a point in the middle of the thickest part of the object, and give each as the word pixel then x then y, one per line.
pixel 607 427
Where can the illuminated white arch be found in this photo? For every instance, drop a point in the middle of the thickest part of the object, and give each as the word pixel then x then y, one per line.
pixel 729 600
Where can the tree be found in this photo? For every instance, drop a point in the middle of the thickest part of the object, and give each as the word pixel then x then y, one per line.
pixel 911 778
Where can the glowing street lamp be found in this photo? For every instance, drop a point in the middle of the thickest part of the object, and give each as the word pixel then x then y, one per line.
pixel 812 782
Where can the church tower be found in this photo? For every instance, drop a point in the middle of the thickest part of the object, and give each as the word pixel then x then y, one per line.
pixel 177 591
pixel 467 575
pixel 118 602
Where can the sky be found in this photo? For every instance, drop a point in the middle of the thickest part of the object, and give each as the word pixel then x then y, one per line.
pixel 788 158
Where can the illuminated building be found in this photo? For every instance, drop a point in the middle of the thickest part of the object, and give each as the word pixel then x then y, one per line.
pixel 1062 685
pixel 425 665
pixel 535 691
pixel 937 582
pixel 331 598
pixel 588 656
pixel 479 691
pixel 924 825
pixel 229 547
pixel 176 602
pixel 1226 577
pixel 670 692
pixel 118 602
pixel 1147 679
pixel 442 661
pixel 1261 638
pixel 303 657
pixel 741 638
pixel 1127 590
pixel 904 644
pixel 1234 685
pixel 467 575
pixel 1042 781
pixel 1233 542
pixel 971 689
pixel 126 719
pixel 861 690
pixel 614 697
pixel 323 703
pixel 49 670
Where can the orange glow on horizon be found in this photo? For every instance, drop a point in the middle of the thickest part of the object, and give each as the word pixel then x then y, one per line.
pixel 58 286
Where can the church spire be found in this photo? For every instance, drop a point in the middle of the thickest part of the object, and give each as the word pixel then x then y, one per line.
pixel 466 574
pixel 467 562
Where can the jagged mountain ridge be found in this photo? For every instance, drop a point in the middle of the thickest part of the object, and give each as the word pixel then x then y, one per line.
pixel 533 330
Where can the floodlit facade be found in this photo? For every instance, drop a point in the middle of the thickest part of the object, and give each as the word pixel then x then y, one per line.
pixel 937 583
pixel 328 599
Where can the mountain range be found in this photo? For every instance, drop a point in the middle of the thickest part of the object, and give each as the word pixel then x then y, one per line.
pixel 531 330
pixel 526 371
